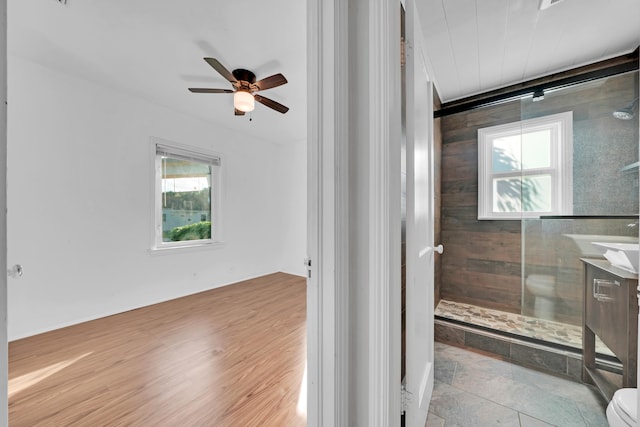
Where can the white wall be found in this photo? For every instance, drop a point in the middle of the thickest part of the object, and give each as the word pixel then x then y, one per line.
pixel 293 166
pixel 79 203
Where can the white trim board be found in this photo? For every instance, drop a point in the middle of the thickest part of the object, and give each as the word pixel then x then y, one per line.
pixel 327 215
pixel 385 216
pixel 353 298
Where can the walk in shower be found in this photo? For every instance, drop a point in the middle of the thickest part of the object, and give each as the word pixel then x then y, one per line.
pixel 527 186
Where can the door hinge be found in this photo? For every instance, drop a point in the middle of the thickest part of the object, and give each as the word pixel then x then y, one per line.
pixel 405 398
pixel 307 263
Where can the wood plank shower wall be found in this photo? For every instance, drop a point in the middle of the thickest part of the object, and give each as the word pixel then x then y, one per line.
pixel 481 264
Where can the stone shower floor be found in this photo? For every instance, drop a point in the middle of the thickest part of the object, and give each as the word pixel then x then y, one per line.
pixel 541 329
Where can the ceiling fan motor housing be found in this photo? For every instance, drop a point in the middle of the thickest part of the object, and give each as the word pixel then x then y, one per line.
pixel 244 75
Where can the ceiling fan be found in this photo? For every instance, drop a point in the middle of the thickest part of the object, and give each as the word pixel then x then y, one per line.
pixel 245 85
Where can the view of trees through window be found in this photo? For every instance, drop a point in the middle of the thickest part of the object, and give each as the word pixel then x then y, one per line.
pixel 527 154
pixel 186 199
pixel 525 168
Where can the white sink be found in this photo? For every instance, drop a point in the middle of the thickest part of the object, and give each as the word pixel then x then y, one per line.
pixel 621 255
pixel 589 251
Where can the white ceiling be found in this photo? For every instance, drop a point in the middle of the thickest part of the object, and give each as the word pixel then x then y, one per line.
pixel 478 45
pixel 154 49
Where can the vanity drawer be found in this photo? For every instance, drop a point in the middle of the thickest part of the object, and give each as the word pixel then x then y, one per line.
pixel 610 313
pixel 607 308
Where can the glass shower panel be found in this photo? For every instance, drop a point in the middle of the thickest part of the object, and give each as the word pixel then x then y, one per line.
pixel 552 248
pixel 604 191
pixel 519 271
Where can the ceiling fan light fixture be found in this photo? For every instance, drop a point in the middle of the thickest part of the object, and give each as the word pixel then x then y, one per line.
pixel 243 101
pixel 245 85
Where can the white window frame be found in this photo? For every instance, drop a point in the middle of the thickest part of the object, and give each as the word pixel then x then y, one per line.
pixel 561 169
pixel 188 152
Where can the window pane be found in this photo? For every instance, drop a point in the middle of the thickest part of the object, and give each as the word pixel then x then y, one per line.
pixel 536 193
pixel 536 149
pixel 186 200
pixel 529 194
pixel 506 195
pixel 525 168
pixel 506 154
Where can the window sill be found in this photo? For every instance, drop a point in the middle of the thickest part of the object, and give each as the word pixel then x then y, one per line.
pixel 155 251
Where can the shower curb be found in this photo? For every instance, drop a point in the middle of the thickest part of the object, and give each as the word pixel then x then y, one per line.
pixel 537 356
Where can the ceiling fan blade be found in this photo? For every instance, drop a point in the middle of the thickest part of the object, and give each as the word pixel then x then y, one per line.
pixel 271 104
pixel 238 112
pixel 220 69
pixel 271 81
pixel 204 90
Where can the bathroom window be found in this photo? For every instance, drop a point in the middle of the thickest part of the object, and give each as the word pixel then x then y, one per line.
pixel 525 168
pixel 187 194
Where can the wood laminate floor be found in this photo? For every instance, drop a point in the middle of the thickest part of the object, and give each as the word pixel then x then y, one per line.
pixel 232 356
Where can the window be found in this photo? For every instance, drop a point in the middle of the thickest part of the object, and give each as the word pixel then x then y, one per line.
pixel 525 168
pixel 187 194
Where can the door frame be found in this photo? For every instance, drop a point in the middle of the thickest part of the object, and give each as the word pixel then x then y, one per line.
pixel 4 353
pixel 385 192
pixel 331 357
pixel 327 215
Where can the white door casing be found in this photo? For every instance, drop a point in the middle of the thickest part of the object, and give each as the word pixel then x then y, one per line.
pixel 4 418
pixel 327 214
pixel 353 344
pixel 420 228
pixel 385 188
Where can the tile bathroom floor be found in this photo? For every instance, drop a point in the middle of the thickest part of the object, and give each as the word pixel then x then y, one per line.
pixel 476 391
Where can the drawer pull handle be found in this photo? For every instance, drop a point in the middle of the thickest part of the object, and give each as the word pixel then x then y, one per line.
pixel 599 285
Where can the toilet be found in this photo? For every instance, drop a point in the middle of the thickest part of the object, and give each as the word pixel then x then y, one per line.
pixel 543 288
pixel 623 408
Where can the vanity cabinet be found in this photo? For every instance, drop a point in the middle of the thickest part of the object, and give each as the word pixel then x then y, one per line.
pixel 611 313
